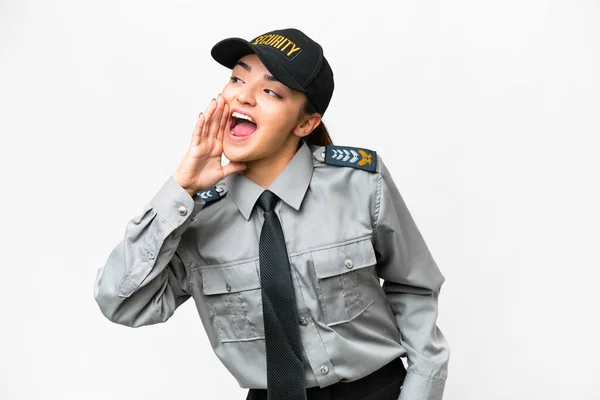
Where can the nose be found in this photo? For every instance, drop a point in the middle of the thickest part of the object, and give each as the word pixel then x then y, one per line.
pixel 245 95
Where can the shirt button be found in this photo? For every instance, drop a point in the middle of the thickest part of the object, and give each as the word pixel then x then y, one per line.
pixel 151 255
pixel 349 264
pixel 303 321
pixel 228 287
pixel 182 210
pixel 324 370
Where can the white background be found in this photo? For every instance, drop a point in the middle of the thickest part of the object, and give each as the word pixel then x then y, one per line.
pixel 485 112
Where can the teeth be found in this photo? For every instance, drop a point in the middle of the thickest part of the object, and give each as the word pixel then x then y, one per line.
pixel 242 116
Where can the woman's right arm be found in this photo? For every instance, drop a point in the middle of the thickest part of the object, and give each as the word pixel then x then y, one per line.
pixel 144 279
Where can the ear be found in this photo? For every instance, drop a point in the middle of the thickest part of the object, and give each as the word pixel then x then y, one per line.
pixel 307 124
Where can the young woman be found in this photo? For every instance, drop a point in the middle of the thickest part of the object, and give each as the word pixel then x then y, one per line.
pixel 283 248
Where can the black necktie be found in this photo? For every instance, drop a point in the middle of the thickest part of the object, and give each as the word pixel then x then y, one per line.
pixel 285 366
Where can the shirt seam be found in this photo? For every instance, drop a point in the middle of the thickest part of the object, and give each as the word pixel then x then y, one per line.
pixel 329 246
pixel 427 377
pixel 186 268
pixel 377 207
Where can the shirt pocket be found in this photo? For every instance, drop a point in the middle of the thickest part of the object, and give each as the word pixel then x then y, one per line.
pixel 235 298
pixel 345 280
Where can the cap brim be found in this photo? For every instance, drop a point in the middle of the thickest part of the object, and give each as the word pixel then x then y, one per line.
pixel 228 52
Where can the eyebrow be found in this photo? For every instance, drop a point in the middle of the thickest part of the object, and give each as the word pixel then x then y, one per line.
pixel 248 68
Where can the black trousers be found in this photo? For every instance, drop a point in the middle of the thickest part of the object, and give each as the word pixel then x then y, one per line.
pixel 383 384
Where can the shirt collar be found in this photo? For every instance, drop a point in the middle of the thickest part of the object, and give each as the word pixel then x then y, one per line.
pixel 290 186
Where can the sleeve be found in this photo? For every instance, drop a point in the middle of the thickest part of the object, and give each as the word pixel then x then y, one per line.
pixel 144 279
pixel 412 283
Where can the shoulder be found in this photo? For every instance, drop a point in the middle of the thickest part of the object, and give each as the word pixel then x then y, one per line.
pixel 212 195
pixel 348 169
pixel 354 173
pixel 358 158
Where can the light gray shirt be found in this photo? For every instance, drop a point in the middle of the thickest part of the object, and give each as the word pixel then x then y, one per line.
pixel 345 228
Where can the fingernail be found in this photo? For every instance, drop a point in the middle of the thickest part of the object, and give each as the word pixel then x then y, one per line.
pixel 219 96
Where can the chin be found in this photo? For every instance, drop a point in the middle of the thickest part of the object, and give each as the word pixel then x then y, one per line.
pixel 236 154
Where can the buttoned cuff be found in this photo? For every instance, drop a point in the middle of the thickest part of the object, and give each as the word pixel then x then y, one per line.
pixel 419 387
pixel 174 204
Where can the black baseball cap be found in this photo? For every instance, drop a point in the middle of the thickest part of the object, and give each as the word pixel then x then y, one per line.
pixel 291 56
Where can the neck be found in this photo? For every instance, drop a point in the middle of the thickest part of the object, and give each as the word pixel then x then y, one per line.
pixel 265 170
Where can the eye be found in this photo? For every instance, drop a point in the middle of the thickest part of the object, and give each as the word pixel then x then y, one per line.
pixel 234 79
pixel 272 93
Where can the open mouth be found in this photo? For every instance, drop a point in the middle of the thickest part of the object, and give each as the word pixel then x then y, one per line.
pixel 241 124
